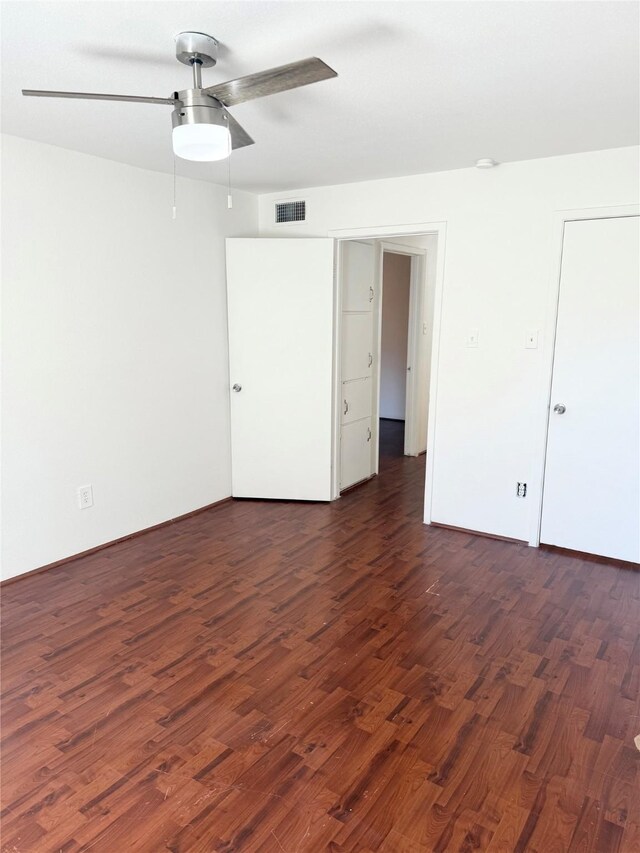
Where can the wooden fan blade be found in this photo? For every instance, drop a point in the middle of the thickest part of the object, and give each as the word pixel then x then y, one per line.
pixel 270 82
pixel 239 136
pixel 93 96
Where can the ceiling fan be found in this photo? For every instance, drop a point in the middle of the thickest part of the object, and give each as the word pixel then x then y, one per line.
pixel 203 129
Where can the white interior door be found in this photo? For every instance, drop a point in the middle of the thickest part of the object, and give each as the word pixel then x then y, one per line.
pixel 356 362
pixel 280 296
pixel 592 479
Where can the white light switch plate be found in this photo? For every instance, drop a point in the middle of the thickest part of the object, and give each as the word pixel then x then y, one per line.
pixel 472 338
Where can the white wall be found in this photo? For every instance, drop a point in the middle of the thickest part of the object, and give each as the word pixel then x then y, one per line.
pixel 396 278
pixel 115 349
pixel 499 259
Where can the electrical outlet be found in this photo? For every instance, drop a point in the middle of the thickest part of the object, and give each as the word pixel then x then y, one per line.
pixel 85 497
pixel 521 490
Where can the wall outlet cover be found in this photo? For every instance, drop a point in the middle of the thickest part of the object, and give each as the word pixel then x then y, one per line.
pixel 85 497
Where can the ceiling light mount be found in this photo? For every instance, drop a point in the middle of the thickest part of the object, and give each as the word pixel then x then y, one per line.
pixel 196 48
pixel 485 163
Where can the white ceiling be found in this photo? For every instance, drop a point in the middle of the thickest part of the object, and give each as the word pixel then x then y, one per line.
pixel 422 86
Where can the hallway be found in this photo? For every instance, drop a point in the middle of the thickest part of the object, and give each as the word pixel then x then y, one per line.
pixel 305 677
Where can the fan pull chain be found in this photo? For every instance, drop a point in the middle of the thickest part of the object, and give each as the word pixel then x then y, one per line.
pixel 173 209
pixel 229 196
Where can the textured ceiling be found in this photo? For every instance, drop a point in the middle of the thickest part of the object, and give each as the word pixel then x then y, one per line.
pixel 423 86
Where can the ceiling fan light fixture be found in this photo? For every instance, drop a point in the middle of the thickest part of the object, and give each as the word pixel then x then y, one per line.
pixel 202 142
pixel 203 129
pixel 200 127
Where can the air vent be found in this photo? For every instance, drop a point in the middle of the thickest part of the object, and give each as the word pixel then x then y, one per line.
pixel 290 211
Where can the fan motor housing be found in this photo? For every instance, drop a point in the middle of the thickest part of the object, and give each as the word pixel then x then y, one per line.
pixel 197 108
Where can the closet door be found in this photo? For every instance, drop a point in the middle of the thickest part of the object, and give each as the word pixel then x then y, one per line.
pixel 358 267
pixel 355 452
pixel 357 358
pixel 357 345
pixel 591 498
pixel 356 400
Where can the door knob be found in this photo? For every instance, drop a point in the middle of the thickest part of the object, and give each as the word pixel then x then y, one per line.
pixel 559 409
pixel 237 387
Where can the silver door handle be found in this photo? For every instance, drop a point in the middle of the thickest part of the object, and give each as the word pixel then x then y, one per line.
pixel 559 409
pixel 346 407
pixel 370 359
pixel 368 433
pixel 237 387
pixel 371 294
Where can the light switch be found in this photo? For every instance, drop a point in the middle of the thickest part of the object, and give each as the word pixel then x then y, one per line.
pixel 472 338
pixel 531 339
pixel 425 329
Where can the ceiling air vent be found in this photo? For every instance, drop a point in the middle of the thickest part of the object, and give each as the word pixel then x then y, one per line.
pixel 290 211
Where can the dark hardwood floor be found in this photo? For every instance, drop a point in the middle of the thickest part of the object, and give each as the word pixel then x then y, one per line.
pixel 302 677
pixel 391 437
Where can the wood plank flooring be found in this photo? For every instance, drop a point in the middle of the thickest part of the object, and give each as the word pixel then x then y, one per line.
pixel 276 677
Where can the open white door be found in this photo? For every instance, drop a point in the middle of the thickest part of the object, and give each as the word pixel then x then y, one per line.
pixel 280 296
pixel 592 485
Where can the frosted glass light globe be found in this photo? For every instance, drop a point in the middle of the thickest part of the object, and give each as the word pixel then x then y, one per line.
pixel 201 142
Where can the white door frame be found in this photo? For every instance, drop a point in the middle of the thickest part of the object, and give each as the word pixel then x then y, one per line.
pixel 416 229
pixel 551 320
pixel 416 302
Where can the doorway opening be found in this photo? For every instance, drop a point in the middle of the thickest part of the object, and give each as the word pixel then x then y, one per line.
pixel 395 368
pixel 386 291
pixel 314 367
